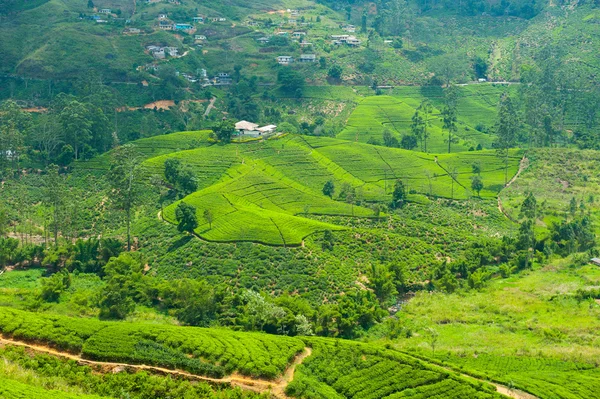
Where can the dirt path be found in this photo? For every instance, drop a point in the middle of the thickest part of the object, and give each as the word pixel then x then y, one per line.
pixel 276 387
pixel 522 166
pixel 211 105
pixel 511 392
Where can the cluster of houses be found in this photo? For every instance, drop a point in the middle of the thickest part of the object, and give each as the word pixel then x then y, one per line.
pixel 160 52
pixel 165 24
pixel 345 39
pixel 249 129
pixel 288 59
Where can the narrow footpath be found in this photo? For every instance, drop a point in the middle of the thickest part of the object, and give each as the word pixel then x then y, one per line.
pixel 276 387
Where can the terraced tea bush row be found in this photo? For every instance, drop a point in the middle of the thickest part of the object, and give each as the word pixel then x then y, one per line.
pixel 11 389
pixel 62 332
pixel 41 371
pixel 198 350
pixel 343 369
pixel 543 377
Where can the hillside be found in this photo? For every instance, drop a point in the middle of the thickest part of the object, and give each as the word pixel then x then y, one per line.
pixel 258 356
pixel 261 182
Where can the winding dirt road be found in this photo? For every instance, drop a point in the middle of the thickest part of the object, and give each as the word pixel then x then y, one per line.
pixel 276 387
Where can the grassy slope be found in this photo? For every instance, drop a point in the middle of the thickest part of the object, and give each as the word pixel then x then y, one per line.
pixel 476 108
pixel 13 389
pixel 555 177
pixel 524 330
pixel 257 191
pixel 254 354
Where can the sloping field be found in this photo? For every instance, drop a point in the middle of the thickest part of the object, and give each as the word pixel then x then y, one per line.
pixel 376 114
pixel 12 389
pixel 263 191
pixel 332 369
pixel 353 370
pixel 211 352
pixel 154 146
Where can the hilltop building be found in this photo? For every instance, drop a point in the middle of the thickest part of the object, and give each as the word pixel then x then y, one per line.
pixel 245 128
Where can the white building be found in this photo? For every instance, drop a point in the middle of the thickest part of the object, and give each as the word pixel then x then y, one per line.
pixel 285 59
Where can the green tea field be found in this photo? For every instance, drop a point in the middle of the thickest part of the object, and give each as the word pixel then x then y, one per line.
pixel 276 184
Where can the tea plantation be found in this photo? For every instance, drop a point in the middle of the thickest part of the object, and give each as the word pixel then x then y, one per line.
pixel 264 191
pixel 202 351
pixel 335 369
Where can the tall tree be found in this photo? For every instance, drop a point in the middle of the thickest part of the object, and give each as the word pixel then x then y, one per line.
pixel 14 125
pixel 123 177
pixel 449 114
pixel 507 127
pixel 77 126
pixel 426 110
pixel 186 217
pixel 55 192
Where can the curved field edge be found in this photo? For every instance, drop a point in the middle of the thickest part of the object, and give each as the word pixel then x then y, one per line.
pixel 99 340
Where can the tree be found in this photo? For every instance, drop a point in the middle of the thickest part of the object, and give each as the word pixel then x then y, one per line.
pixel 417 125
pixel 225 130
pixel 329 189
pixel 453 176
pixel 408 142
pixel 124 284
pixel 172 167
pixel 432 336
pixel 389 140
pixel 209 217
pixel 529 207
pixel 399 195
pixel 55 191
pixel 193 302
pixel 507 126
pixel 290 80
pixel 426 110
pixel 382 283
pixel 123 177
pixel 90 4
pixel 14 126
pixel 477 184
pixel 186 217
pixel 335 72
pixel 76 125
pixel 449 115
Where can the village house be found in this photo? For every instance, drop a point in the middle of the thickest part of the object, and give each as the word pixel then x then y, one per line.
pixel 245 128
pixel 349 28
pixel 183 27
pixel 307 58
pixel 132 31
pixel 305 44
pixel 199 38
pixel 263 40
pixel 217 19
pixel 105 11
pixel 172 51
pixel 292 21
pixel 198 20
pixel 345 39
pixel 595 261
pixel 162 16
pixel 223 78
pixel 159 54
pixel 298 35
pixel 285 59
pixel 165 25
